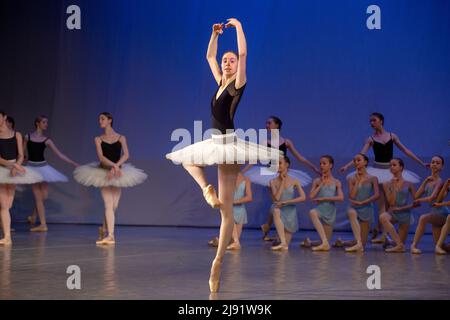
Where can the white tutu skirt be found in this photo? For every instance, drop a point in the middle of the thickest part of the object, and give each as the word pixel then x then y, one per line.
pixel 385 175
pixel 48 173
pixel 93 175
pixel 262 175
pixel 224 149
pixel 31 176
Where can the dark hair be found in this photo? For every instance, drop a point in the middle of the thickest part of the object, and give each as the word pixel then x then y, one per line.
pixel 3 113
pixel 107 115
pixel 277 121
pixel 329 158
pixel 379 116
pixel 231 51
pixel 364 156
pixel 286 158
pixel 11 120
pixel 39 119
pixel 400 162
pixel 440 157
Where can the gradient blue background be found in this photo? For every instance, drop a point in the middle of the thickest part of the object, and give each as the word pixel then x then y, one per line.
pixel 312 63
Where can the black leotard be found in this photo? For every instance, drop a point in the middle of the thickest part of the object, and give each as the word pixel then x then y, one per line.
pixel 112 151
pixel 281 147
pixel 8 148
pixel 36 150
pixel 383 152
pixel 224 108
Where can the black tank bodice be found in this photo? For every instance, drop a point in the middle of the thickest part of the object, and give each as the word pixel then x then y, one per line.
pixel 112 151
pixel 8 148
pixel 281 147
pixel 36 150
pixel 224 107
pixel 383 152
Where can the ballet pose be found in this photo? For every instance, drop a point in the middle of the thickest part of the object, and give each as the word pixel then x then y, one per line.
pixel 439 249
pixel 262 175
pixel 11 173
pixel 224 148
pixel 382 142
pixel 363 191
pixel 284 208
pixel 35 143
pixel 397 193
pixel 325 191
pixel 110 175
pixel 428 193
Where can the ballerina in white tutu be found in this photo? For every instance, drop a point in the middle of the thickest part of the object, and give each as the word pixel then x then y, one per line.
pixel 110 174
pixel 382 142
pixel 262 175
pixel 224 148
pixel 11 173
pixel 35 144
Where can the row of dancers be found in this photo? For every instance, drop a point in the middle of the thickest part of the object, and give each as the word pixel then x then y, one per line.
pixel 110 173
pixel 286 191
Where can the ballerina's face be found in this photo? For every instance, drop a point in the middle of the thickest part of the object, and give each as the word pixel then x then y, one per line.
pixel 325 165
pixel 229 64
pixel 271 125
pixel 43 124
pixel 396 167
pixel 376 122
pixel 283 166
pixel 436 164
pixel 104 121
pixel 359 162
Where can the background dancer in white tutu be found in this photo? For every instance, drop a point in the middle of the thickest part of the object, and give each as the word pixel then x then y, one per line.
pixel 110 175
pixel 224 149
pixel 262 175
pixel 35 144
pixel 382 142
pixel 11 173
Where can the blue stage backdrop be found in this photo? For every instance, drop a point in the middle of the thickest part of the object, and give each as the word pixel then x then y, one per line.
pixel 314 64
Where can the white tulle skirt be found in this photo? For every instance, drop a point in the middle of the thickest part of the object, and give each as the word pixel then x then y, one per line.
pixel 31 176
pixel 262 175
pixel 224 149
pixel 385 175
pixel 48 173
pixel 93 175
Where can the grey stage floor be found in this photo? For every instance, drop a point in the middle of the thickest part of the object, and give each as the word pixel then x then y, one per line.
pixel 173 263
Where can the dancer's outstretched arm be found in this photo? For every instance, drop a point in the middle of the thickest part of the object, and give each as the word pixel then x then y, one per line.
pixel 364 150
pixel 211 54
pixel 60 155
pixel 290 145
pixel 408 152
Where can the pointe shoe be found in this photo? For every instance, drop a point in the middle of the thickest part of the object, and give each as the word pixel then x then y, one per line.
pixel 280 247
pixel 440 251
pixel 106 241
pixel 322 247
pixel 234 246
pixel 41 228
pixel 5 242
pixel 101 233
pixel 415 250
pixel 214 278
pixel 209 193
pixel 355 248
pixel 396 249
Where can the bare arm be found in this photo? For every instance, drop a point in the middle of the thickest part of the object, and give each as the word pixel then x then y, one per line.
pixel 241 77
pixel 248 194
pixel 444 191
pixel 421 189
pixel 364 150
pixel 390 195
pixel 407 206
pixel 432 196
pixel 125 153
pixel 19 159
pixel 376 193
pixel 338 197
pixel 315 188
pixel 352 188
pixel 301 195
pixel 276 192
pixel 103 160
pixel 211 54
pixel 60 155
pixel 299 157
pixel 406 151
